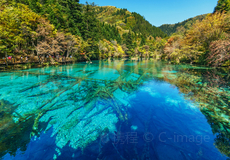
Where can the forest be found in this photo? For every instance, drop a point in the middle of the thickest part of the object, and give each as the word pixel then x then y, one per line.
pixel 85 32
pixel 169 29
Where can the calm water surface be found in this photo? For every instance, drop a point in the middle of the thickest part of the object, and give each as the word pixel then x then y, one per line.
pixel 115 110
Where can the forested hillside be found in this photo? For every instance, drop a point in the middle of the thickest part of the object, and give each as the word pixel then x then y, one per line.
pixel 41 28
pixel 70 16
pixel 206 42
pixel 126 20
pixel 169 29
pixel 65 27
pixel 82 20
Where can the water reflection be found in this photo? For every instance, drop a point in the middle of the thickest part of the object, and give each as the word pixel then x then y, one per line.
pixel 14 136
pixel 211 90
pixel 110 110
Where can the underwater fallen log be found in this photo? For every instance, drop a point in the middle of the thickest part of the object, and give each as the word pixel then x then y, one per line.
pixel 57 95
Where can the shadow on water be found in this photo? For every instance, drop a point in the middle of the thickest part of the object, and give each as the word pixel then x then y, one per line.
pixel 13 135
pixel 115 110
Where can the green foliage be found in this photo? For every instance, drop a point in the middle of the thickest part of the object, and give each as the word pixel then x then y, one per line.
pixel 169 29
pixel 202 39
pixel 15 32
pixel 70 16
pixel 121 11
pixel 223 5
pixel 109 32
pixel 89 24
pixel 92 32
pixel 64 14
pixel 129 41
pixel 128 21
pixel 109 49
pixel 144 27
pixel 143 40
pixel 196 44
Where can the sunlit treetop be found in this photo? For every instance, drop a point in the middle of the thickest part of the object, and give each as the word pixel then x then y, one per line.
pixel 223 5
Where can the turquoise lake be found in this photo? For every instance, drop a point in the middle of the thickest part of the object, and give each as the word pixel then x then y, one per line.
pixel 115 110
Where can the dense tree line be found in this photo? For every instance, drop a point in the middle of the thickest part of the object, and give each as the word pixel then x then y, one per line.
pixel 70 16
pixel 66 16
pixel 206 42
pixel 144 27
pixel 202 40
pixel 169 29
pixel 121 11
pixel 65 27
pixel 131 21
pixel 24 32
pixel 44 28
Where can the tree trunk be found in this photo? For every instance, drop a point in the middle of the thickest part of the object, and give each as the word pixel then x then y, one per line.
pixel 39 61
pixel 68 51
pixel 6 59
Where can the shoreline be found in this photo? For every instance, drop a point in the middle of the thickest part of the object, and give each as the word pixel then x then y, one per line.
pixel 28 65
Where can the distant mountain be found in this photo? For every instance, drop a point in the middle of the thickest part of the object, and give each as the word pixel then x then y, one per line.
pixel 169 29
pixel 125 21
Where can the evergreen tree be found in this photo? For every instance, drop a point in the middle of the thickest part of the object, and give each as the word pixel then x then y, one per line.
pixel 223 5
pixel 129 41
pixel 143 40
pixel 89 28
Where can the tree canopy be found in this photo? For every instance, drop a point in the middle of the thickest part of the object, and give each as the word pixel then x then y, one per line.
pixel 223 5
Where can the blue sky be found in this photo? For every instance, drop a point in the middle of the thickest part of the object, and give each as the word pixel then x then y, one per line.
pixel 159 12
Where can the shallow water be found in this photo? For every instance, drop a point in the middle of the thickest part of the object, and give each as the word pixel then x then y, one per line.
pixel 133 110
